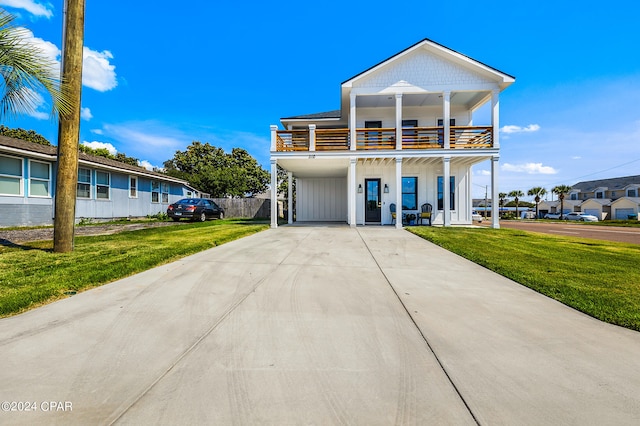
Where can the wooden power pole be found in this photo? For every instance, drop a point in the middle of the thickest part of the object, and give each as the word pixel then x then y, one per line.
pixel 69 129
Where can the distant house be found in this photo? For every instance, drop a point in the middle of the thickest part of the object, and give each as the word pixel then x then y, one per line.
pixel 600 197
pixel 107 189
pixel 403 138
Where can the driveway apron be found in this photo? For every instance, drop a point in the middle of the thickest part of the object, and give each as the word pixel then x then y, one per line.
pixel 317 325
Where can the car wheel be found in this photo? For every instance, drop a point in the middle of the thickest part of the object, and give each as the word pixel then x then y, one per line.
pixel 202 217
pixel 175 219
pixel 221 215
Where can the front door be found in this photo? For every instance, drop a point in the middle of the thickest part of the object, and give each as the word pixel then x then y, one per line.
pixel 373 205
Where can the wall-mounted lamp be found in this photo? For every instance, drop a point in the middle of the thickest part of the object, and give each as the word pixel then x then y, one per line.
pixel 360 188
pixel 386 188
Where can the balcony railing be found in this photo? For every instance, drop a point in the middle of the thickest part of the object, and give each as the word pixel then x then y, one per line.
pixel 460 137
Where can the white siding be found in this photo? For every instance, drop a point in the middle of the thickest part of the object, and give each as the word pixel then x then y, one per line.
pixel 321 199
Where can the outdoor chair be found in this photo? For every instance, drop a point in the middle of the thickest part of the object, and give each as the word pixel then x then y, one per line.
pixel 392 208
pixel 426 211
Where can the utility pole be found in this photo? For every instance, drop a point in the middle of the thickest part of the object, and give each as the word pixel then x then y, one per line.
pixel 69 128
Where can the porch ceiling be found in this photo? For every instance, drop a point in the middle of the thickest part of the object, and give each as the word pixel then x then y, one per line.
pixel 466 99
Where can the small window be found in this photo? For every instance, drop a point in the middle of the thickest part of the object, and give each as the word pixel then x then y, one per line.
pixel 102 185
pixel 632 192
pixel 165 193
pixel 574 196
pixel 599 194
pixel 155 191
pixel 84 183
pixel 452 122
pixel 10 176
pixel 39 179
pixel 133 187
pixel 409 193
pixel 452 193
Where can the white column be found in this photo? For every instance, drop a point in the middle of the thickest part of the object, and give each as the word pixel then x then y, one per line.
pixel 274 193
pixel 274 136
pixel 495 117
pixel 446 190
pixel 352 192
pixel 399 192
pixel 398 120
pixel 352 121
pixel 495 198
pixel 290 198
pixel 312 137
pixel 446 118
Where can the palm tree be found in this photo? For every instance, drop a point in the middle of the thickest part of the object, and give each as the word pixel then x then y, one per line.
pixel 502 197
pixel 537 192
pixel 516 194
pixel 25 71
pixel 561 190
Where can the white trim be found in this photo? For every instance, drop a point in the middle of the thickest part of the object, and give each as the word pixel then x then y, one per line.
pixel 49 180
pixel 90 183
pixel 101 185
pixel 20 178
pixel 137 189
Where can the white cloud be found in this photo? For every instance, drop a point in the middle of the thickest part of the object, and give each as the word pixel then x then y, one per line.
pixel 484 172
pixel 85 114
pixel 147 165
pixel 518 129
pixel 97 131
pixel 101 145
pixel 529 168
pixel 97 72
pixel 576 157
pixel 30 6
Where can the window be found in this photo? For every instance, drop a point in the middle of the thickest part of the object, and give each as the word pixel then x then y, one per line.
pixel 373 136
pixel 600 194
pixel 39 179
pixel 632 192
pixel 84 183
pixel 574 196
pixel 165 192
pixel 102 185
pixel 409 193
pixel 452 122
pixel 133 187
pixel 155 191
pixel 452 193
pixel 10 176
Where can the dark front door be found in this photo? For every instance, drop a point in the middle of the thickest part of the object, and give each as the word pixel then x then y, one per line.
pixel 373 205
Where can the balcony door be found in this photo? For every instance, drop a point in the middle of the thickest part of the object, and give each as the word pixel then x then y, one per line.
pixel 373 203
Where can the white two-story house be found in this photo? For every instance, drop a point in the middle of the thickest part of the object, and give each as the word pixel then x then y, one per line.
pixel 404 136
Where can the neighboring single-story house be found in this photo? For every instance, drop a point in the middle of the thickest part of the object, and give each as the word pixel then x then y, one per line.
pixel 404 137
pixel 625 208
pixel 546 206
pixel 107 189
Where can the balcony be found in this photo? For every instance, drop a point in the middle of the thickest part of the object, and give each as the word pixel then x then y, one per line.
pixel 460 137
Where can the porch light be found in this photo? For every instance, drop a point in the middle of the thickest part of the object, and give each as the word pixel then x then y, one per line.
pixel 386 188
pixel 359 188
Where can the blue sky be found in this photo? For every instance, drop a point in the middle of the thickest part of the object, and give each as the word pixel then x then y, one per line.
pixel 159 75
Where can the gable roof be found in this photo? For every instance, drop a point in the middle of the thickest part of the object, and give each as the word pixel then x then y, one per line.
pixel 611 184
pixel 438 47
pixel 50 152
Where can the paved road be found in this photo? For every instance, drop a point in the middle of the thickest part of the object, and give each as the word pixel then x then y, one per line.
pixel 320 325
pixel 607 233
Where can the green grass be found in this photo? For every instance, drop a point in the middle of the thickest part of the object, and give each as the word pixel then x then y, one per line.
pixel 31 274
pixel 599 278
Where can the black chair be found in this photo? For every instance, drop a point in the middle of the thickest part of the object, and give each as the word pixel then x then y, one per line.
pixel 392 208
pixel 426 212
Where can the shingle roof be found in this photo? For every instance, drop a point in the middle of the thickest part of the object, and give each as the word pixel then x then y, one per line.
pixel 320 115
pixel 611 184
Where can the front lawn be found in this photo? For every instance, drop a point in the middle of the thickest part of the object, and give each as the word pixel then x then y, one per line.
pixel 599 278
pixel 31 274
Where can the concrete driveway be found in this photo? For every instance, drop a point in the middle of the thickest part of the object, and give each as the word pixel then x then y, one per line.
pixel 317 325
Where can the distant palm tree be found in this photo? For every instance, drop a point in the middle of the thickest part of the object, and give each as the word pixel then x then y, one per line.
pixel 560 190
pixel 516 197
pixel 537 192
pixel 25 70
pixel 502 197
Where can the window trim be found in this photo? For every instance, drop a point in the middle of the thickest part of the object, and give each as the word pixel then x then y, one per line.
pixel 164 195
pixel 40 179
pixel 101 185
pixel 19 178
pixel 635 190
pixel 157 191
pixel 414 193
pixel 133 187
pixel 85 183
pixel 452 193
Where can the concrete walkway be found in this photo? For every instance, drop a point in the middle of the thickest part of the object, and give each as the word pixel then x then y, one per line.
pixel 317 325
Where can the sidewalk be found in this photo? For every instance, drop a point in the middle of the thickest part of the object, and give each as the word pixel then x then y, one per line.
pixel 323 325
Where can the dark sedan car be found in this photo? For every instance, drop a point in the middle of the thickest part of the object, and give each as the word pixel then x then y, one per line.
pixel 195 209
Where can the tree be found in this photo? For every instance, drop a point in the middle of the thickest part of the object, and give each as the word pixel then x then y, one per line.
pixel 537 192
pixel 211 170
pixel 69 128
pixel 502 197
pixel 516 194
pixel 561 190
pixel 25 135
pixel 25 72
pixel 103 152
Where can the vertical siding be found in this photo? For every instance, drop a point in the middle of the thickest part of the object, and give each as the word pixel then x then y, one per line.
pixel 321 199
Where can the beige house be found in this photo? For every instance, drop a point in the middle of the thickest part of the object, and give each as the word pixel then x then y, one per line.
pixel 625 208
pixel 598 207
